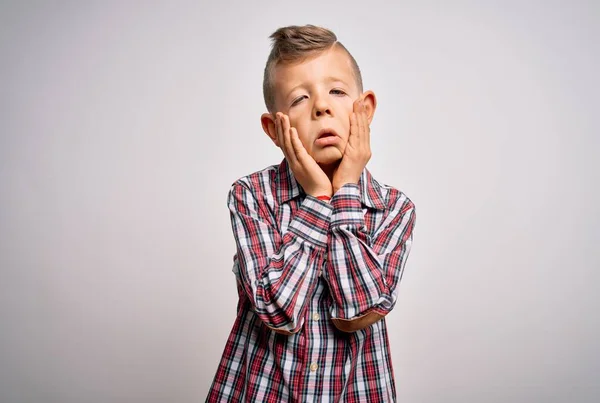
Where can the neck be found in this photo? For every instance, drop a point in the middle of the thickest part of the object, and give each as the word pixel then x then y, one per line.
pixel 330 169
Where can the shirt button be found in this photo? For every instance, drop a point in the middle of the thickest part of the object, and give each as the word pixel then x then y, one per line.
pixel 313 367
pixel 316 316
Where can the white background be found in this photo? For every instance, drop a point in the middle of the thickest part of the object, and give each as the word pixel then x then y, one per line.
pixel 123 126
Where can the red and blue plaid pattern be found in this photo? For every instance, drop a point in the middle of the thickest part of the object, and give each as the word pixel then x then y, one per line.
pixel 302 267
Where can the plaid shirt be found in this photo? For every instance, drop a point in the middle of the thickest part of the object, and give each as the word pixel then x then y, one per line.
pixel 314 280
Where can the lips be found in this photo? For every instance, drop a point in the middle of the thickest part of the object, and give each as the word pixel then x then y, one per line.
pixel 326 133
pixel 326 137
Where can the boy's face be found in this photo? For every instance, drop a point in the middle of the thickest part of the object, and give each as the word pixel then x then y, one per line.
pixel 317 95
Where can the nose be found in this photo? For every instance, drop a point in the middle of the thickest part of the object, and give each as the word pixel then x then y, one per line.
pixel 321 107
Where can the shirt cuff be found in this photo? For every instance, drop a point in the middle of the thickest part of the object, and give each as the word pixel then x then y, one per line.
pixel 311 221
pixel 347 206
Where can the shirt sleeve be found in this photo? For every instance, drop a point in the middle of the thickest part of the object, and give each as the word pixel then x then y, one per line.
pixel 364 271
pixel 278 272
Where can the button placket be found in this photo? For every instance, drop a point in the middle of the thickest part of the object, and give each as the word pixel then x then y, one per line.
pixel 315 332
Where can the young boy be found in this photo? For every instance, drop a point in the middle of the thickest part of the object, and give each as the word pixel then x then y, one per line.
pixel 321 245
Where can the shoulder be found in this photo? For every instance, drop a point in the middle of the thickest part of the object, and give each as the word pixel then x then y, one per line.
pixel 258 180
pixel 257 185
pixel 395 199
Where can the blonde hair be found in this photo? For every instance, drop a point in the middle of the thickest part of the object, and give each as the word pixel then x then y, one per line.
pixel 294 44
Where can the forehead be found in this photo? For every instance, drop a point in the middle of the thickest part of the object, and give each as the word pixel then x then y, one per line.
pixel 332 63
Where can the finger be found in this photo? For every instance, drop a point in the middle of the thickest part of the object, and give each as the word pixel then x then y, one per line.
pixel 285 122
pixel 367 126
pixel 361 121
pixel 366 138
pixel 276 125
pixel 361 127
pixel 287 151
pixel 354 124
pixel 299 149
pixel 357 110
pixel 356 106
pixel 280 134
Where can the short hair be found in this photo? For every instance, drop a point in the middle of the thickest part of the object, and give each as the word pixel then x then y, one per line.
pixel 294 44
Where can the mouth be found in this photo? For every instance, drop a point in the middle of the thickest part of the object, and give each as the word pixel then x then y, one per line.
pixel 327 137
pixel 326 133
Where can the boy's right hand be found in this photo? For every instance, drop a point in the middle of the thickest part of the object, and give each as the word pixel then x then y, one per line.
pixel 306 170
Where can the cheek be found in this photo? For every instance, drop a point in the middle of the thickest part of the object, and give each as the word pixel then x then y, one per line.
pixel 303 132
pixel 346 119
pixel 298 121
pixel 296 116
pixel 346 112
pixel 297 124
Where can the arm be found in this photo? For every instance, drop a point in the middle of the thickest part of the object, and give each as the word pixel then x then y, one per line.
pixel 278 271
pixel 363 272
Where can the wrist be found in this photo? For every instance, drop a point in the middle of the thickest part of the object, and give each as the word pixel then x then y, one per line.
pixel 319 193
pixel 340 184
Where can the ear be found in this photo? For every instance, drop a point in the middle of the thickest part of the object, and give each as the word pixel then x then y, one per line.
pixel 370 101
pixel 268 124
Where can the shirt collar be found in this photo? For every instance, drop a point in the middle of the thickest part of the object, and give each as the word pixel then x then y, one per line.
pixel 287 188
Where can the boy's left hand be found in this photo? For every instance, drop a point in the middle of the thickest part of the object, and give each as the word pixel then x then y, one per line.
pixel 358 149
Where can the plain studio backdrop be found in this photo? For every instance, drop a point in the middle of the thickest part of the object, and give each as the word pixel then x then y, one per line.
pixel 123 127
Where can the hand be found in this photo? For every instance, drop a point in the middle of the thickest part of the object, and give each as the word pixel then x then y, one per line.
pixel 358 150
pixel 306 170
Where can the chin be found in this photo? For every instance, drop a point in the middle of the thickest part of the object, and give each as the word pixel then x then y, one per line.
pixel 328 161
pixel 328 156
